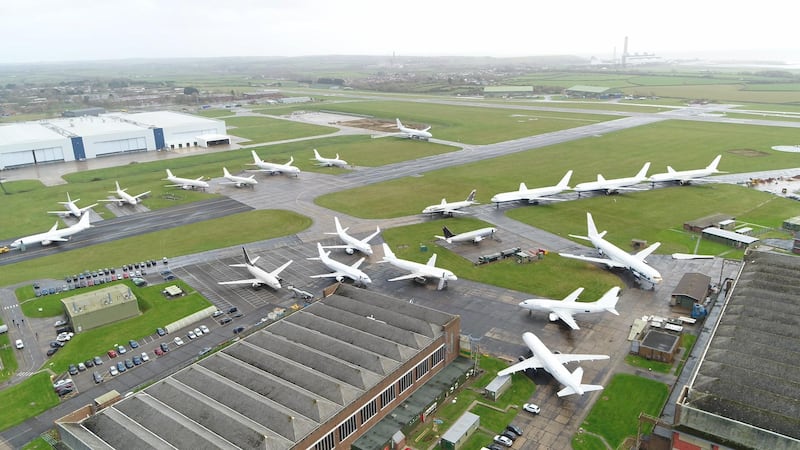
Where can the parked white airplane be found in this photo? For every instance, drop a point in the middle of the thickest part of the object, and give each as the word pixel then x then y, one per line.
pixel 352 244
pixel 72 208
pixel 617 257
pixel 418 270
pixel 54 235
pixel 474 236
pixel 451 208
pixel 328 162
pixel 534 195
pixel 553 363
pixel 237 180
pixel 260 276
pixel 123 197
pixel 274 168
pixel 341 270
pixel 185 183
pixel 615 184
pixel 411 133
pixel 686 176
pixel 565 309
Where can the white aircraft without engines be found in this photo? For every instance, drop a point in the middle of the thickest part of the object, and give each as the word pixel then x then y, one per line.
pixel 185 183
pixel 614 185
pixel 411 133
pixel 341 270
pixel 565 309
pixel 553 363
pixel 534 195
pixel 474 236
pixel 123 197
pixel 617 257
pixel 72 208
pixel 451 208
pixel 237 180
pixel 418 270
pixel 686 176
pixel 352 244
pixel 275 168
pixel 54 235
pixel 260 276
pixel 328 162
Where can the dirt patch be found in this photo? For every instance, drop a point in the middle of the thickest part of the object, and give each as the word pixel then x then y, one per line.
pixel 747 152
pixel 371 124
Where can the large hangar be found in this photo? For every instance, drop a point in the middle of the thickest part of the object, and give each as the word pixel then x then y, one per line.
pixel 317 379
pixel 79 138
pixel 745 391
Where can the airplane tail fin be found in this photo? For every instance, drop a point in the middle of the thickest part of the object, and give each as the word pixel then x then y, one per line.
pixel 399 125
pixel 447 233
pixel 523 187
pixel 670 169
pixel 247 257
pixel 225 172
pixel 291 160
pixel 256 159
pixel 339 228
pixel 642 175
pixel 600 178
pixel 577 375
pixel 169 174
pixel 117 183
pixel 431 261
pixel 592 230
pixel 387 252
pixel 55 227
pixel 471 196
pixel 609 300
pixel 69 200
pixel 714 163
pixel 564 183
pixel 316 154
pixel 85 221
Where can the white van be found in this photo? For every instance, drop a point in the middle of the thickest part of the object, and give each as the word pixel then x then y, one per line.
pixel 19 344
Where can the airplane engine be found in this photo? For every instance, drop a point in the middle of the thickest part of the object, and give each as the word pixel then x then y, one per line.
pixel 349 250
pixel 256 284
pixel 339 278
pixel 47 242
pixel 553 317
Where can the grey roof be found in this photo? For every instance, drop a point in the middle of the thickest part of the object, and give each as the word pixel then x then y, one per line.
pixel 693 285
pixel 277 385
pixel 460 428
pixel 751 370
pixel 733 236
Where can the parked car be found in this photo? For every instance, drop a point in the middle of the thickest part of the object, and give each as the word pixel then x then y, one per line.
pixel 217 313
pixel 73 369
pixel 509 435
pixel 60 323
pixel 204 351
pixel 52 351
pixel 121 367
pixel 137 360
pixel 198 332
pixel 121 349
pixel 164 347
pixel 129 363
pixel 97 378
pixel 98 361
pixel 502 440
pixel 232 309
pixel 204 329
pixel 531 408
pixel 178 341
pixel 133 343
pixel 225 321
pixel 238 330
pixel 62 382
pixel 514 429
pixel 81 367
pixel 160 331
pixel 191 335
pixel 145 357
pixel 158 351
pixel 112 353
pixel 113 371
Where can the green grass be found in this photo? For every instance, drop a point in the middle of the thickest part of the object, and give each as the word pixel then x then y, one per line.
pixel 644 363
pixel 157 311
pixel 267 129
pixel 27 399
pixel 687 342
pixel 7 356
pixel 615 414
pixel 551 277
pixel 198 237
pixel 585 441
pixel 464 123
pixel 37 444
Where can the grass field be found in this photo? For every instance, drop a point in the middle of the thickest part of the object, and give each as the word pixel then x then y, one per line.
pixel 156 311
pixel 27 399
pixel 615 414
pixel 466 124
pixel 267 129
pixel 198 237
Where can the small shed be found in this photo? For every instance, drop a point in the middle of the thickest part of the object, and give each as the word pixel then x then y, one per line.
pixel 458 434
pixel 692 289
pixel 497 386
pixel 702 223
pixel 659 346
pixel 729 237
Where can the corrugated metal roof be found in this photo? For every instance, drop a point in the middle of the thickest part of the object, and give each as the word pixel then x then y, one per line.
pixel 733 236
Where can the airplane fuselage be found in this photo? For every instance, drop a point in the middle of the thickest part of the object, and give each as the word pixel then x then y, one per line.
pixel 639 268
pixel 355 244
pixel 609 186
pixel 263 276
pixel 682 177
pixel 472 236
pixel 446 208
pixel 424 270
pixel 526 195
pixel 550 364
pixel 49 237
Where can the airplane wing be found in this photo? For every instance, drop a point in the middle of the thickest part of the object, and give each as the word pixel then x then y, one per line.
pixel 142 194
pixel 336 246
pixel 60 213
pixel 625 188
pixel 646 252
pixel 453 211
pixel 250 281
pixel 410 276
pixel 607 262
pixel 330 275
pixel 357 264
pixel 565 358
pixel 277 271
pixel 566 317
pixel 111 200
pixel 530 363
pixel 539 199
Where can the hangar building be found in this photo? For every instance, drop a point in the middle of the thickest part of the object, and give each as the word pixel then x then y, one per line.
pixel 101 307
pixel 317 379
pixel 745 391
pixel 79 138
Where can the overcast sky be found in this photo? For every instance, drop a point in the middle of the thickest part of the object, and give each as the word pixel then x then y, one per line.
pixel 68 30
